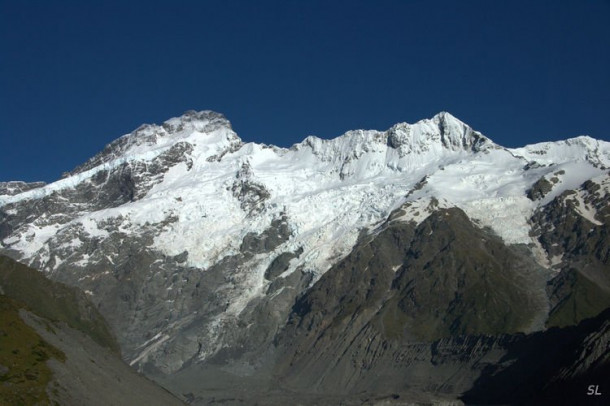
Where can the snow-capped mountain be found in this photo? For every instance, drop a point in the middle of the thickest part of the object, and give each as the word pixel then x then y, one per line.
pixel 197 246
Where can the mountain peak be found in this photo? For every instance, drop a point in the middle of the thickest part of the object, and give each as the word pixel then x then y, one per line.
pixel 582 148
pixel 150 137
pixel 443 130
pixel 197 120
pixel 446 117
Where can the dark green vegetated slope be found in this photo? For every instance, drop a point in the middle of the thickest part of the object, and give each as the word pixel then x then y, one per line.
pixel 55 348
pixel 24 374
pixel 54 301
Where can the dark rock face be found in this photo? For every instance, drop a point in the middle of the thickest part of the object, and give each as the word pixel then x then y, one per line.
pixel 268 240
pixel 367 323
pixel 540 189
pixel 581 289
pixel 281 263
pixel 458 279
pixel 250 193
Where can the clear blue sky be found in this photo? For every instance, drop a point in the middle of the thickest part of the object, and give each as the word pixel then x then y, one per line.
pixel 74 75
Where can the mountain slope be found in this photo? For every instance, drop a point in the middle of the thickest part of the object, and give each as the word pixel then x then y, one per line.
pixel 54 301
pixel 441 279
pixel 24 372
pixel 55 348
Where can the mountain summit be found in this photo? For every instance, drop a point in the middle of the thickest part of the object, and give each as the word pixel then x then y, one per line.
pixel 147 139
pixel 209 254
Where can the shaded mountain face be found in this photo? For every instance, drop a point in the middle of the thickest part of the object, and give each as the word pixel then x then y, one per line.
pixel 421 250
pixel 561 366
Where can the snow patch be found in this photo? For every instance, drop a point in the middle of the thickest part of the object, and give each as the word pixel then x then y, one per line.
pixel 585 210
